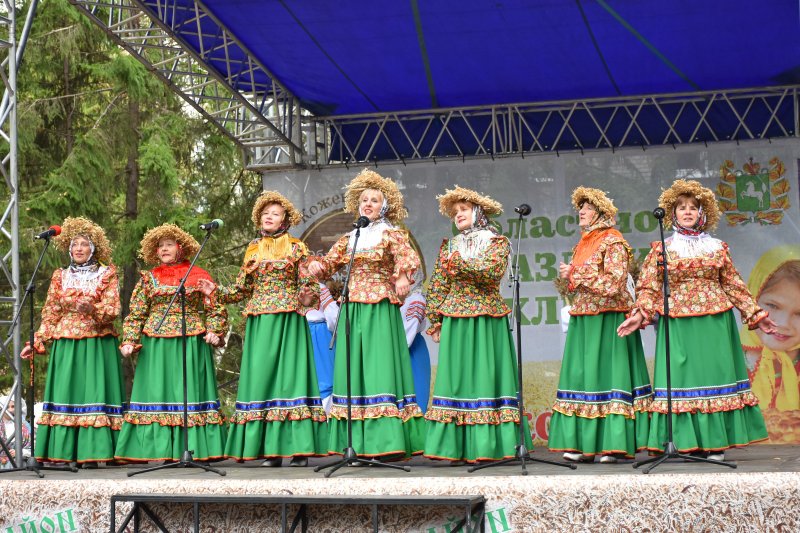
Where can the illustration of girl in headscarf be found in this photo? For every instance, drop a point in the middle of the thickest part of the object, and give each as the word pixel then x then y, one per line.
pixel 774 359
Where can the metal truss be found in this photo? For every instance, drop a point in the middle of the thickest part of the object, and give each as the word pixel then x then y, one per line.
pixel 197 57
pixel 9 222
pixel 554 127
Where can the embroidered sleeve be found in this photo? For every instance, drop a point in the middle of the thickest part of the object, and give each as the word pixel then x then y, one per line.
pixel 609 280
pixel 51 314
pixel 306 279
pixel 216 316
pixel 438 288
pixel 336 257
pixel 488 268
pixel 137 315
pixel 406 259
pixel 107 307
pixel 413 311
pixel 737 291
pixel 241 288
pixel 329 307
pixel 648 289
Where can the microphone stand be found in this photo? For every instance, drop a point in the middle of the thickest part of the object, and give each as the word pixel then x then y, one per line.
pixel 31 464
pixel 349 454
pixel 186 457
pixel 670 450
pixel 521 452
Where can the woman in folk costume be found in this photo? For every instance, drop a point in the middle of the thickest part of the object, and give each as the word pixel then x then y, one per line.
pixel 774 358
pixel 82 411
pixel 153 423
pixel 713 405
pixel 474 412
pixel 387 422
pixel 8 432
pixel 278 409
pixel 604 391
pixel 413 313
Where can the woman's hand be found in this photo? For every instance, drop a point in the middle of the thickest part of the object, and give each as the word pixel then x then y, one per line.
pixel 402 285
pixel 85 307
pixel 315 268
pixel 126 350
pixel 630 325
pixel 206 286
pixel 564 270
pixel 767 325
pixel 27 352
pixel 436 334
pixel 213 339
pixel 305 296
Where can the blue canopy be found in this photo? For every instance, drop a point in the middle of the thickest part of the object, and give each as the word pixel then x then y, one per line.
pixel 348 57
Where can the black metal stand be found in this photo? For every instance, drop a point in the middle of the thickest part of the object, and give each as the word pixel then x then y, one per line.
pixel 521 452
pixel 31 464
pixel 186 457
pixel 349 454
pixel 670 451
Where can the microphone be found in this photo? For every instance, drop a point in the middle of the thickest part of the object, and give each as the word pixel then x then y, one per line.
pixel 362 222
pixel 214 224
pixel 54 230
pixel 523 209
pixel 659 213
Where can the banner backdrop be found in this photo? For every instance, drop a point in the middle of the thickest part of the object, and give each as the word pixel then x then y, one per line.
pixel 756 184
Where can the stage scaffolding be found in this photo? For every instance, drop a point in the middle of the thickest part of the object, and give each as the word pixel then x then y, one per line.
pixel 202 61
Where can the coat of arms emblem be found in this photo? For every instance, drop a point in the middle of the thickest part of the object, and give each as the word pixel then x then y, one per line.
pixel 753 194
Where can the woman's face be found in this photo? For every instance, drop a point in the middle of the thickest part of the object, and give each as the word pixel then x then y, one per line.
pixel 369 203
pixel 462 215
pixel 586 214
pixel 687 212
pixel 782 301
pixel 168 251
pixel 272 217
pixel 81 249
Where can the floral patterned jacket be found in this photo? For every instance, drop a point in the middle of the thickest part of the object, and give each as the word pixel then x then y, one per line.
pixel 60 316
pixel 599 284
pixel 460 288
pixel 702 285
pixel 150 299
pixel 272 286
pixel 375 270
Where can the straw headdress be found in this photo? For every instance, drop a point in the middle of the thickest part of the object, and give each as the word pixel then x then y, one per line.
pixel 149 246
pixel 597 198
pixel 704 196
pixel 274 197
pixel 75 226
pixel 460 194
pixel 368 179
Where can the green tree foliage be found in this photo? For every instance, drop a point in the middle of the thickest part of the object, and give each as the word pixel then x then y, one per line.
pixel 101 137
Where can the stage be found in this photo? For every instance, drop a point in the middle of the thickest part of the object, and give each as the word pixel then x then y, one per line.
pixel 762 494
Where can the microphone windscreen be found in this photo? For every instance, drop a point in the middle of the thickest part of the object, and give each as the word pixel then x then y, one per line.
pixel 219 222
pixel 57 229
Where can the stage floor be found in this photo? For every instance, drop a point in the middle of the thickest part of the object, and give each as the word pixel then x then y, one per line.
pixel 752 459
pixel 761 494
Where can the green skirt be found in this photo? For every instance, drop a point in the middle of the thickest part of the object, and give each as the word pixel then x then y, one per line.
pixel 278 409
pixel 604 391
pixel 83 405
pixel 712 404
pixel 153 424
pixel 385 416
pixel 474 414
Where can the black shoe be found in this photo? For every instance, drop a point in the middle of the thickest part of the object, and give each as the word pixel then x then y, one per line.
pixel 89 465
pixel 298 461
pixel 272 462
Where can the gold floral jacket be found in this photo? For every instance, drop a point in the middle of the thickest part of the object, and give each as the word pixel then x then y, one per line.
pixel 599 284
pixel 60 316
pixel 703 285
pixel 375 270
pixel 150 299
pixel 460 288
pixel 271 286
